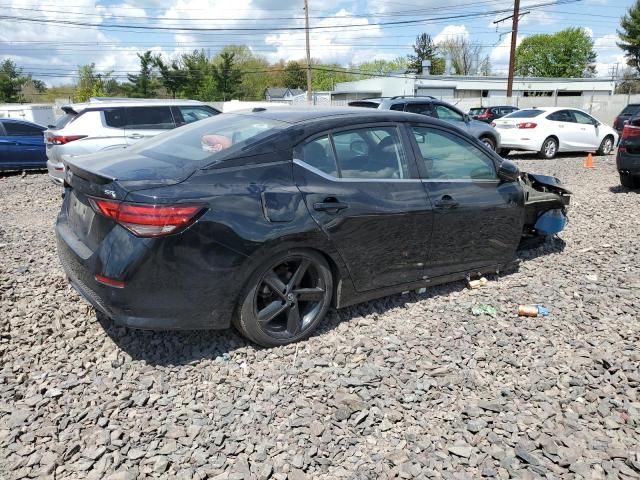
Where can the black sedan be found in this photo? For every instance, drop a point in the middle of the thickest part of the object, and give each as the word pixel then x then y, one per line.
pixel 270 217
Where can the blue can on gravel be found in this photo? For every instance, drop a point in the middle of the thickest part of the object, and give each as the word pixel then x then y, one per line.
pixel 551 222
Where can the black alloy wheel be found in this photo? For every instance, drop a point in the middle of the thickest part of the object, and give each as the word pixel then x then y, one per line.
pixel 287 300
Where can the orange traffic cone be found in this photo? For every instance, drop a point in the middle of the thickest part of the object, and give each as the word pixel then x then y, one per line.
pixel 589 161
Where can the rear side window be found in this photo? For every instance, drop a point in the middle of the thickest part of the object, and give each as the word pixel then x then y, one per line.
pixel 64 120
pixel 371 153
pixel 397 106
pixel 447 156
pixel 115 117
pixel 561 116
pixel 319 154
pixel 525 113
pixel 149 118
pixel 631 109
pixel 17 129
pixel 421 108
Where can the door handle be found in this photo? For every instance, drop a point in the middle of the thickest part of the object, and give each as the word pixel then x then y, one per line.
pixel 330 205
pixel 134 136
pixel 446 202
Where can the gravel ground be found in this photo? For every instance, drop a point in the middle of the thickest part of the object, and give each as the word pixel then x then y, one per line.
pixel 411 386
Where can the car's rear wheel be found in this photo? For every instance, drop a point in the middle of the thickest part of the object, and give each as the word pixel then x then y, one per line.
pixel 549 148
pixel 286 299
pixel 503 152
pixel 489 142
pixel 628 181
pixel 606 146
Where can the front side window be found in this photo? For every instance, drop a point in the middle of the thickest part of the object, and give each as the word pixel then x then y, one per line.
pixel 149 118
pixel 583 118
pixel 447 156
pixel 446 113
pixel 17 129
pixel 193 114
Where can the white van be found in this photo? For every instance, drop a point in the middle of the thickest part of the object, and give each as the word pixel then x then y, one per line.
pixel 104 124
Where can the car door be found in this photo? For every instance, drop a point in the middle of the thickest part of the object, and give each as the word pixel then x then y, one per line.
pixel 586 130
pixel 25 143
pixel 361 186
pixel 477 218
pixel 564 127
pixel 146 122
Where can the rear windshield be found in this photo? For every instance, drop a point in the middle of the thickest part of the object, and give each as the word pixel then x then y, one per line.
pixel 524 114
pixel 364 104
pixel 64 120
pixel 476 111
pixel 630 110
pixel 209 140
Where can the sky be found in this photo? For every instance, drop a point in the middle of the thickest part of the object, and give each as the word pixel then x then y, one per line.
pixel 50 39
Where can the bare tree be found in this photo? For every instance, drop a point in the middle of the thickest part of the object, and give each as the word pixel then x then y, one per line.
pixel 464 54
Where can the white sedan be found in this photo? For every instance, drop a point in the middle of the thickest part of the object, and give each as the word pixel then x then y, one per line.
pixel 549 130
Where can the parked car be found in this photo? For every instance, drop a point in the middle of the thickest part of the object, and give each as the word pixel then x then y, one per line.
pixel 489 114
pixel 626 114
pixel 628 158
pixel 108 124
pixel 271 216
pixel 21 145
pixel 549 130
pixel 433 107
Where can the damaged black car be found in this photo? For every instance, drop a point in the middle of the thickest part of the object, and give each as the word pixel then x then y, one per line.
pixel 268 218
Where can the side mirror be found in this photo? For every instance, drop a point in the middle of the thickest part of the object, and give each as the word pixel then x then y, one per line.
pixel 508 171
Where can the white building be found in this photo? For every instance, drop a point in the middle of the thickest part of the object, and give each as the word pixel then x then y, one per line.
pixel 41 114
pixel 471 87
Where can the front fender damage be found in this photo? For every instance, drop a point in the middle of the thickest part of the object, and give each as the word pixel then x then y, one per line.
pixel 546 204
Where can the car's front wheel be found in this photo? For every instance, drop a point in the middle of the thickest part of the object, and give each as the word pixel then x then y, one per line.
pixel 549 148
pixel 286 298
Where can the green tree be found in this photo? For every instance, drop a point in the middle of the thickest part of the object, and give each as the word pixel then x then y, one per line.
pixel 198 84
pixel 425 49
pixel 254 68
pixel 382 67
pixel 295 75
pixel 325 76
pixel 172 75
pixel 629 33
pixel 11 80
pixel 144 84
pixel 227 76
pixel 565 54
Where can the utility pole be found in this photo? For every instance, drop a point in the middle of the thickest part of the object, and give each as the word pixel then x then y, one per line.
pixel 514 37
pixel 512 54
pixel 306 24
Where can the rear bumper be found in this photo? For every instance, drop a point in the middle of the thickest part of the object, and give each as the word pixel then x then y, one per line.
pixel 159 294
pixel 56 172
pixel 628 163
pixel 521 144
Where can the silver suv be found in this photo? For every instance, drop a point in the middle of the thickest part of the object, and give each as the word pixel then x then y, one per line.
pixel 105 124
pixel 433 107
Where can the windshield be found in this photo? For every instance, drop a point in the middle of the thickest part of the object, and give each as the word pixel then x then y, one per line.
pixel 64 120
pixel 209 140
pixel 524 114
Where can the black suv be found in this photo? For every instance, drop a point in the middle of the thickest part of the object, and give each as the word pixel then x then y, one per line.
pixel 433 107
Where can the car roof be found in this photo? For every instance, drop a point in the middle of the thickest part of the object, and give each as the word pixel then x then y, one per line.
pixel 305 114
pixel 128 102
pixel 17 120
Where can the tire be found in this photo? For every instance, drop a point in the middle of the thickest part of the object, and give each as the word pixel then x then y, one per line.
pixel 606 146
pixel 291 292
pixel 628 181
pixel 549 148
pixel 503 152
pixel 489 142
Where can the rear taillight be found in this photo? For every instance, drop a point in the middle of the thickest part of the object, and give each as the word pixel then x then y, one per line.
pixel 147 220
pixel 485 116
pixel 630 131
pixel 527 125
pixel 63 139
